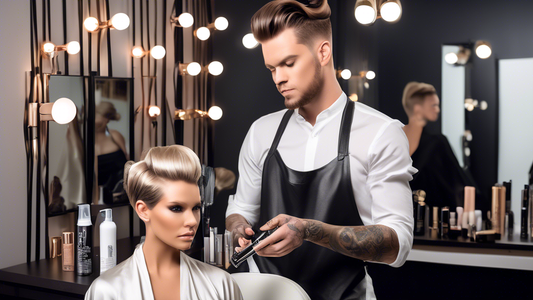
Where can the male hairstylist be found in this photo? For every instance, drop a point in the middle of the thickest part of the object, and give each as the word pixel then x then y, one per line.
pixel 332 174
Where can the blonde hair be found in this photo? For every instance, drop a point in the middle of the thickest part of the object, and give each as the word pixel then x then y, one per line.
pixel 415 93
pixel 108 110
pixel 308 21
pixel 143 180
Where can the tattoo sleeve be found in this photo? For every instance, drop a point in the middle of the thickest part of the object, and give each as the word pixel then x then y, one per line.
pixel 371 243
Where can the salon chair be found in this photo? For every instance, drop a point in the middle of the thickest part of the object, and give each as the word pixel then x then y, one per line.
pixel 260 286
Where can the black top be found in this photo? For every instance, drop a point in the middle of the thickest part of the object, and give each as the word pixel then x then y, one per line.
pixel 439 173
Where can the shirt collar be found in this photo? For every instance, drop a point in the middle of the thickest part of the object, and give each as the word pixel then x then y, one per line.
pixel 333 110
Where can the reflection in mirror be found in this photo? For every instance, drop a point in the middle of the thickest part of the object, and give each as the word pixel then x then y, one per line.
pixel 515 149
pixel 112 140
pixel 66 165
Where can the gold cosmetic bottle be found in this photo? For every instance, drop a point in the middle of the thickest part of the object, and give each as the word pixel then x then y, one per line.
pixel 68 251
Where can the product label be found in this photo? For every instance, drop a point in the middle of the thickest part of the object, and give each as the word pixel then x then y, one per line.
pixel 84 257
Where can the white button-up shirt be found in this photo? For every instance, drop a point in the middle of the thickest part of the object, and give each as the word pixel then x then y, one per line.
pixel 380 165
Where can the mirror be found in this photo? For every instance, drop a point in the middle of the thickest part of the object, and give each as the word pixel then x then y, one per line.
pixel 113 143
pixel 66 152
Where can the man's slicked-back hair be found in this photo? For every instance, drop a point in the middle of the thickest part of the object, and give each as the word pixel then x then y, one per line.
pixel 308 21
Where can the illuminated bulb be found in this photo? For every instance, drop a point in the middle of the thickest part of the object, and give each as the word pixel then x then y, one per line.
pixel 390 11
pixel 249 41
pixel 73 48
pixel 451 58
pixel 354 97
pixel 221 23
pixel 186 20
pixel 215 68
pixel 154 111
pixel 49 47
pixel 366 85
pixel 137 52
pixel 63 111
pixel 194 69
pixel 370 75
pixel 484 105
pixel 91 24
pixel 467 152
pixel 468 135
pixel 483 51
pixel 365 14
pixel 120 21
pixel 203 33
pixel 215 113
pixel 346 74
pixel 158 52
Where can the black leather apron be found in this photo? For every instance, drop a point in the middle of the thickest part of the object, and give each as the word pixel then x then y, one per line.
pixel 324 194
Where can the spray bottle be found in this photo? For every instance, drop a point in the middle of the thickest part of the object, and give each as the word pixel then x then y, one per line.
pixel 108 241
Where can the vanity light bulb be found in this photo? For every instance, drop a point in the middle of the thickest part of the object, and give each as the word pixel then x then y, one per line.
pixel 63 111
pixel 215 68
pixel 154 111
pixel 73 48
pixel 203 33
pixel 354 97
pixel 468 135
pixel 370 75
pixel 137 52
pixel 346 74
pixel 215 113
pixel 120 21
pixel 221 23
pixel 158 52
pixel 483 105
pixel 365 14
pixel 249 41
pixel 91 24
pixel 186 20
pixel 194 69
pixel 390 11
pixel 366 85
pixel 451 58
pixel 467 152
pixel 49 47
pixel 483 51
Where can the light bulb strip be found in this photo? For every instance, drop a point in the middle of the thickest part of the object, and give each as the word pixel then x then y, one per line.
pixel 188 114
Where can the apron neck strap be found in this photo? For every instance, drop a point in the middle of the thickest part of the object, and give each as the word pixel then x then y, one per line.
pixel 281 129
pixel 346 127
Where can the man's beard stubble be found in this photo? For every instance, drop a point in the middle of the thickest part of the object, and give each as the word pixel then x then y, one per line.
pixel 311 93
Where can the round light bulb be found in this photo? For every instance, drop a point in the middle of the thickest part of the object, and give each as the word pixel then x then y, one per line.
pixel 158 52
pixel 365 14
pixel 468 135
pixel 120 21
pixel 366 85
pixel 249 41
pixel 215 113
pixel 390 11
pixel 73 47
pixel 49 47
pixel 451 58
pixel 203 33
pixel 483 105
pixel 154 111
pixel 137 52
pixel 467 152
pixel 346 74
pixel 194 69
pixel 63 111
pixel 91 24
pixel 186 20
pixel 221 23
pixel 370 75
pixel 354 97
pixel 483 51
pixel 215 68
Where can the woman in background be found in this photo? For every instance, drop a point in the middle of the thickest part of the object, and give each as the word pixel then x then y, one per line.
pixel 163 190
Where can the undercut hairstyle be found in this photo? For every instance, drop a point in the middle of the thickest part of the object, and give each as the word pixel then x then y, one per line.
pixel 143 180
pixel 415 93
pixel 308 21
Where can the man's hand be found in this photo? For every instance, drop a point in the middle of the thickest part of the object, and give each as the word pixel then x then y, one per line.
pixel 241 231
pixel 289 236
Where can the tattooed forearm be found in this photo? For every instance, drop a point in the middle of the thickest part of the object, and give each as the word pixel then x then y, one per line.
pixel 372 243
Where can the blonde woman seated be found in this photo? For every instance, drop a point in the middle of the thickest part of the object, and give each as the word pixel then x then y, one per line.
pixel 163 190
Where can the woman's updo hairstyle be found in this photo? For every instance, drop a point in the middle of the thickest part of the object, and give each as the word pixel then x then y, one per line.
pixel 143 180
pixel 107 110
pixel 308 20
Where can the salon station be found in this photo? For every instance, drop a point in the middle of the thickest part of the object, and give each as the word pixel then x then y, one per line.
pixel 433 117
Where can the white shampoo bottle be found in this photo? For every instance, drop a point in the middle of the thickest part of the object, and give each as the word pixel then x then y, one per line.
pixel 108 241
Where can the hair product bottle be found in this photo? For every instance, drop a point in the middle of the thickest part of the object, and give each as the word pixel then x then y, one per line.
pixel 108 241
pixel 525 209
pixel 84 263
pixel 68 251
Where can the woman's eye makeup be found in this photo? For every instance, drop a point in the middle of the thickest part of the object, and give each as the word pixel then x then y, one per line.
pixel 197 207
pixel 176 208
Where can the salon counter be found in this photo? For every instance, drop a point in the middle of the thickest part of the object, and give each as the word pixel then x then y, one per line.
pixel 45 279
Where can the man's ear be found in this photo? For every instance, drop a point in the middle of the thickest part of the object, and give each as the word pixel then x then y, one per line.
pixel 417 109
pixel 142 211
pixel 324 52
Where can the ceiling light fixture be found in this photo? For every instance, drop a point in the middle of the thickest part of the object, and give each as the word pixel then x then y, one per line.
pixel 366 11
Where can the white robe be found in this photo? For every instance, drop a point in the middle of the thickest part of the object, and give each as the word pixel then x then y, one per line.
pixel 130 280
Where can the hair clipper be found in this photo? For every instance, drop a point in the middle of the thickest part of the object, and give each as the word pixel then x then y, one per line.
pixel 239 257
